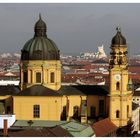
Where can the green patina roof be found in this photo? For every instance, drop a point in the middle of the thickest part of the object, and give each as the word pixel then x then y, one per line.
pixel 40 47
pixel 88 132
pixel 74 128
pixel 41 123
pixel 78 130
pixel 130 81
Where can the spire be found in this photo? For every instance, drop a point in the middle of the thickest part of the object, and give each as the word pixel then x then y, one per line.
pixel 40 27
pixel 130 81
pixel 130 84
pixel 40 16
pixel 118 29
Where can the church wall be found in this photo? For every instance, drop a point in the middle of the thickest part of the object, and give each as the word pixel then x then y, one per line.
pixel 107 106
pixel 93 100
pixel 73 101
pixel 50 107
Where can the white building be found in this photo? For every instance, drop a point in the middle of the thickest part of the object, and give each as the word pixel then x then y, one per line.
pixel 135 116
pixel 10 120
pixel 99 54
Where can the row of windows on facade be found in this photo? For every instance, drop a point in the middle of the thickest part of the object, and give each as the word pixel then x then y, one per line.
pixel 38 77
pixel 75 110
pixel 36 112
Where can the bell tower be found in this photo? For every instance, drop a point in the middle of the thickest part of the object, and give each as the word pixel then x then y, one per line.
pixel 120 95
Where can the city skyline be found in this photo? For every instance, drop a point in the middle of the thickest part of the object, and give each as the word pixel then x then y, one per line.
pixel 74 27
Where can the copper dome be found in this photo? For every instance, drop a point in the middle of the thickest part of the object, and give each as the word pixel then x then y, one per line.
pixel 40 47
pixel 118 39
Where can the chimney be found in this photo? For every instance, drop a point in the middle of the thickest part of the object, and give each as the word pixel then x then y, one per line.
pixel 5 128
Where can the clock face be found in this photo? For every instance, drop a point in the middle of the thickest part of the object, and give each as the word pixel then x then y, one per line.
pixel 117 77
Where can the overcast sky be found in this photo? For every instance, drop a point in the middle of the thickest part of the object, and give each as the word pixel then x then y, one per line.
pixel 73 27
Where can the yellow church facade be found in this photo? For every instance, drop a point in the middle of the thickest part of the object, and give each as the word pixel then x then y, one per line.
pixel 58 107
pixel 47 108
pixel 42 97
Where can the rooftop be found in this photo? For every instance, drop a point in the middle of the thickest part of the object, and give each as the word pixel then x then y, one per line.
pixel 76 129
pixel 104 127
pixel 39 90
pixel 56 131
pixel 136 93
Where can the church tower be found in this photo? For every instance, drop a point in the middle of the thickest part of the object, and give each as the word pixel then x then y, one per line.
pixel 120 93
pixel 40 60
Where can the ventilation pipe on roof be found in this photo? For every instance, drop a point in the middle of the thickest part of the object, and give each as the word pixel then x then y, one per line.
pixel 5 128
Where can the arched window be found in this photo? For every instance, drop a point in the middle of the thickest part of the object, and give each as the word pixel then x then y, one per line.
pixel 75 112
pixel 101 107
pixel 25 77
pixel 36 111
pixel 52 77
pixel 117 114
pixel 38 77
pixel 117 86
pixel 92 111
pixel 64 113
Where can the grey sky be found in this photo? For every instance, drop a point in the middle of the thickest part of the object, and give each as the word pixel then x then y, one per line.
pixel 73 27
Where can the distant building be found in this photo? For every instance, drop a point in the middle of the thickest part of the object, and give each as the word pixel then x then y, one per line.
pixel 101 53
pixel 90 55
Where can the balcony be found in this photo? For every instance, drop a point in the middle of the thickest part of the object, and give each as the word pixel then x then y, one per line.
pixel 9 117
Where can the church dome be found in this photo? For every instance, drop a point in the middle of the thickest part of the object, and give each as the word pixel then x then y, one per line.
pixel 118 39
pixel 40 47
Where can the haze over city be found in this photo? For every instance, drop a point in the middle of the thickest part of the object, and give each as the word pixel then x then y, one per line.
pixel 75 27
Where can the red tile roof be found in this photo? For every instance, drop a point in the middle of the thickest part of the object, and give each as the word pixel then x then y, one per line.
pixel 103 127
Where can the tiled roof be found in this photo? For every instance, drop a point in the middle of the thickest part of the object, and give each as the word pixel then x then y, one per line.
pixel 136 93
pixel 103 127
pixel 9 90
pixel 78 130
pixel 93 89
pixel 38 90
pixel 70 90
pixel 56 131
pixel 100 61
